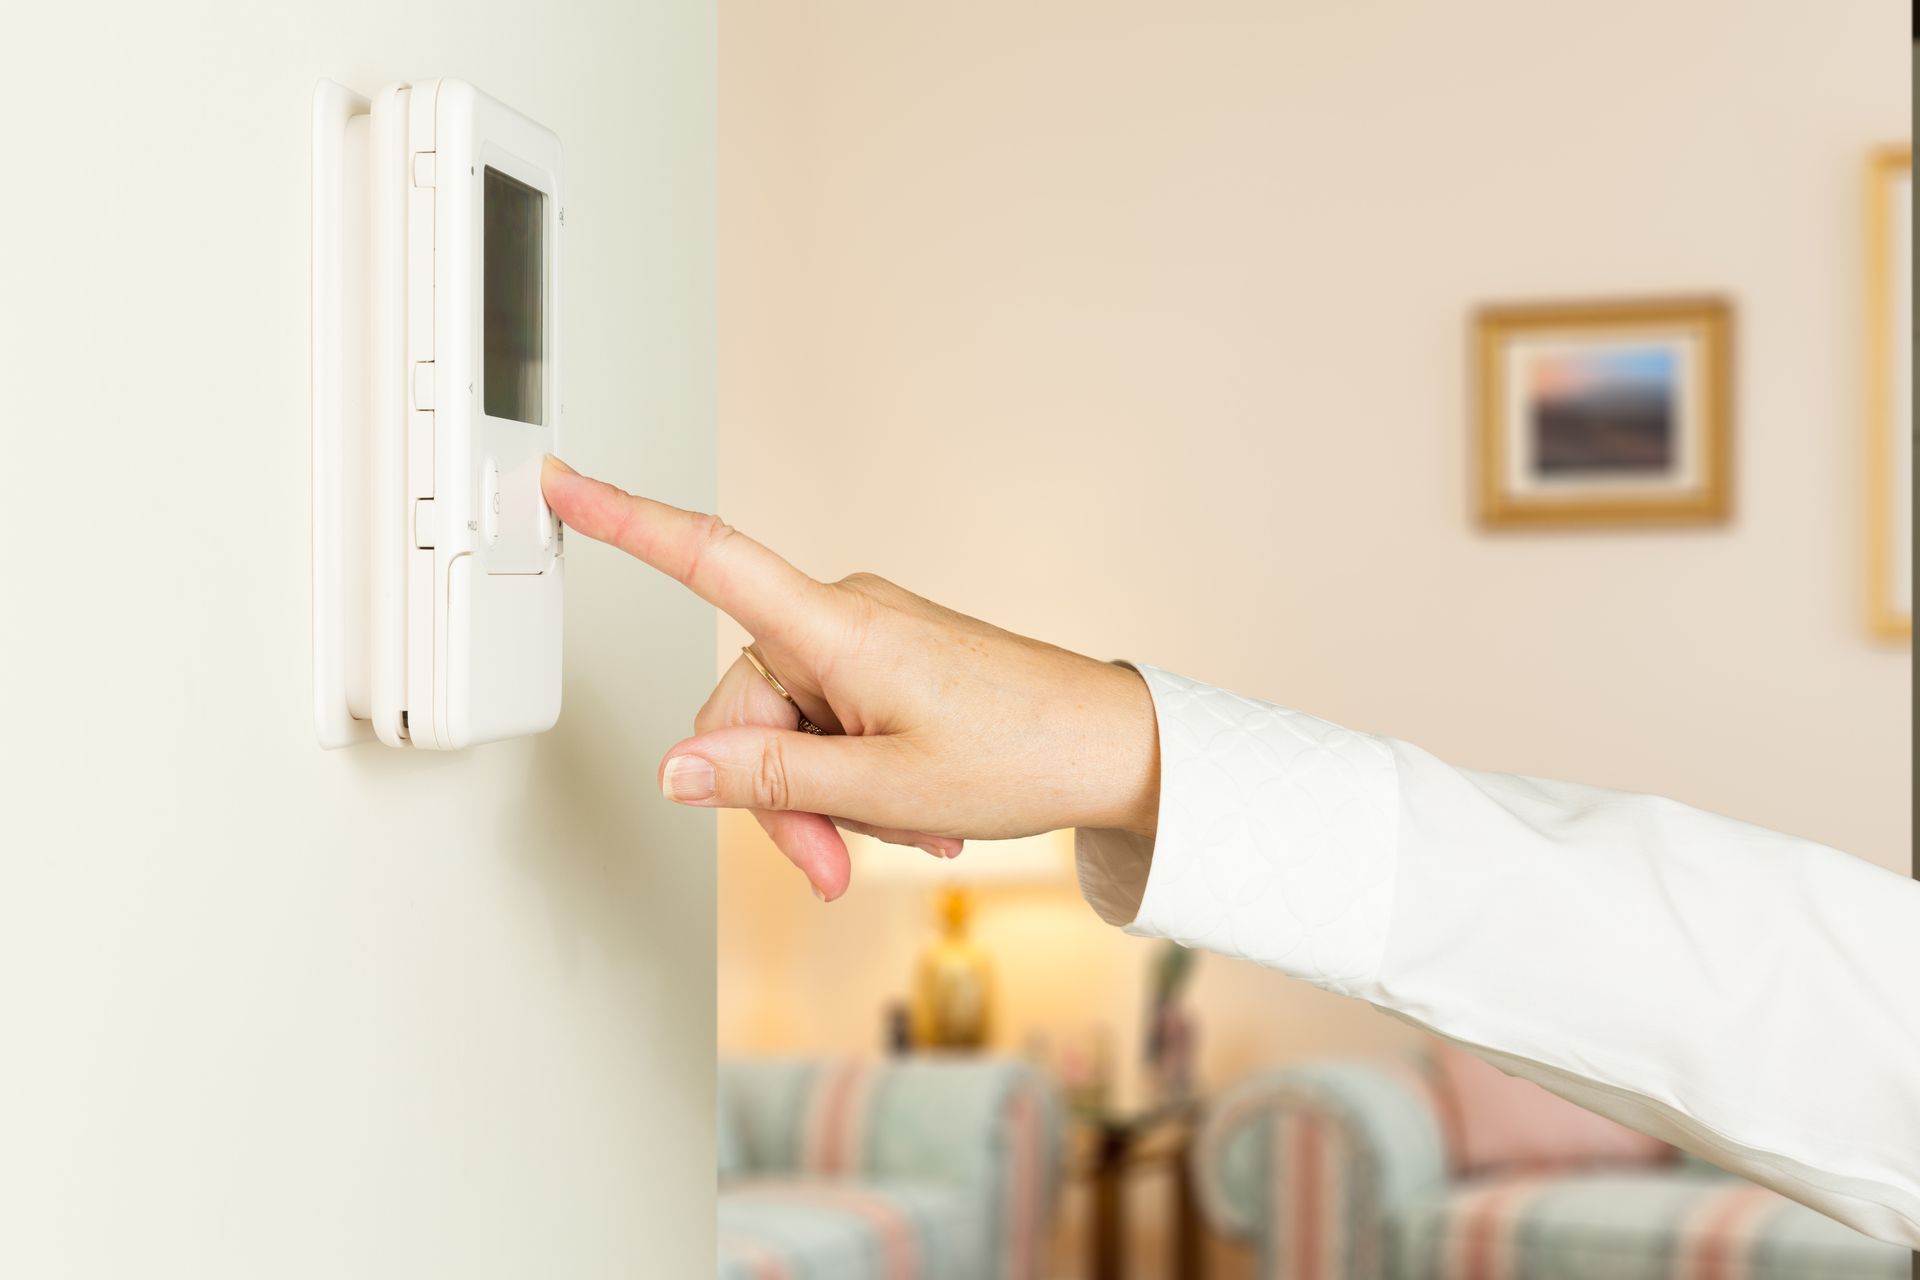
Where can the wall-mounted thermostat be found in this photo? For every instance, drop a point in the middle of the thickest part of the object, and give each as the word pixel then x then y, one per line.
pixel 437 567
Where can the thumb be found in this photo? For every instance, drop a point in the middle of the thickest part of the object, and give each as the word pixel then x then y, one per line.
pixel 754 767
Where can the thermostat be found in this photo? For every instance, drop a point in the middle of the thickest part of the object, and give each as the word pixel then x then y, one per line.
pixel 437 566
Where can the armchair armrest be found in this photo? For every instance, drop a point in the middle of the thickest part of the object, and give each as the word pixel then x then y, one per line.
pixel 988 1128
pixel 1311 1161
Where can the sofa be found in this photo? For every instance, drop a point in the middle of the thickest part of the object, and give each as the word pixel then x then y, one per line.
pixel 922 1168
pixel 1369 1170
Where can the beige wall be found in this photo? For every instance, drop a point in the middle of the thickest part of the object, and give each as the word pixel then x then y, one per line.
pixel 267 1010
pixel 1142 328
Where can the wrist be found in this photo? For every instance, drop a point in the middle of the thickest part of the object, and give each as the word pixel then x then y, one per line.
pixel 1134 782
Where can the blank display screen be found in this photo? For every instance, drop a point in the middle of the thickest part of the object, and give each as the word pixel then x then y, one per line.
pixel 514 325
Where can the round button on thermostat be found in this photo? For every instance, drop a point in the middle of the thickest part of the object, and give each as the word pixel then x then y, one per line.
pixel 490 501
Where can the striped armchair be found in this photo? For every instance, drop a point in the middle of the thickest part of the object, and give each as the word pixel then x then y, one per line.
pixel 916 1169
pixel 1343 1170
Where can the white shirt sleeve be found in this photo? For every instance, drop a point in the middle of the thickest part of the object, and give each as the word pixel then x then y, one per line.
pixel 1742 994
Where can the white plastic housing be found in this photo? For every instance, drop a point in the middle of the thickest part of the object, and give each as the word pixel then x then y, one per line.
pixel 342 697
pixel 452 635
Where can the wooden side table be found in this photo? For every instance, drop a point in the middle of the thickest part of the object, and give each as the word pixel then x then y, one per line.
pixel 1119 1141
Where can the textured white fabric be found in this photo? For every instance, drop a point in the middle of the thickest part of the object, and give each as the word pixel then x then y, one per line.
pixel 1743 994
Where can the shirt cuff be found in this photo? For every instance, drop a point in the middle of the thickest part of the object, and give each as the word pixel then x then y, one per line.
pixel 1113 867
pixel 1276 840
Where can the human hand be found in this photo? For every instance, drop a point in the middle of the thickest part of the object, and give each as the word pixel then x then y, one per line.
pixel 937 727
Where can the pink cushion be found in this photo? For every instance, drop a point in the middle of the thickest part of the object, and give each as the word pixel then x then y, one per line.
pixel 1497 1121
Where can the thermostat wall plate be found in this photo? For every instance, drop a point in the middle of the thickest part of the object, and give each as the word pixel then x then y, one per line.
pixel 437 566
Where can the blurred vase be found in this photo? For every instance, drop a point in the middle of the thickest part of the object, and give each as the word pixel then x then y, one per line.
pixel 1171 1034
pixel 953 983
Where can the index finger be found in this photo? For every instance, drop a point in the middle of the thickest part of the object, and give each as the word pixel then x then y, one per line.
pixel 724 567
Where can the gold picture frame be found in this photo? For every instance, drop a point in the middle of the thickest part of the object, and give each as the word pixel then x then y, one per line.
pixel 1614 412
pixel 1889 417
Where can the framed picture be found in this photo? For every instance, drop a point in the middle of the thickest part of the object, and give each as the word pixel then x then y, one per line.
pixel 1605 413
pixel 1889 451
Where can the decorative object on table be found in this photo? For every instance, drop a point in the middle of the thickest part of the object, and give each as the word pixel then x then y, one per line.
pixel 952 987
pixel 1083 1065
pixel 1172 1037
pixel 952 983
pixel 1890 393
pixel 1605 413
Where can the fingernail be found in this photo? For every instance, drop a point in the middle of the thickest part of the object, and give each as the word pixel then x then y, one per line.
pixel 561 465
pixel 814 889
pixel 686 779
pixel 934 850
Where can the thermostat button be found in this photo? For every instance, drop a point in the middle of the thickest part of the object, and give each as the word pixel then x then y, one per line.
pixel 490 501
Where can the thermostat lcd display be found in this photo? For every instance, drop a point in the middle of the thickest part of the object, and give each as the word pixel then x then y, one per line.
pixel 514 319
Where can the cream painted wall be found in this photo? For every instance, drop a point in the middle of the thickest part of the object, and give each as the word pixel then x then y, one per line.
pixel 270 1011
pixel 1142 328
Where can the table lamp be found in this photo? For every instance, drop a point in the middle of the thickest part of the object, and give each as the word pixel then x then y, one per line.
pixel 952 1004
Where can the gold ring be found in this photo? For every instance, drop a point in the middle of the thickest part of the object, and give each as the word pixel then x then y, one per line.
pixel 752 651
